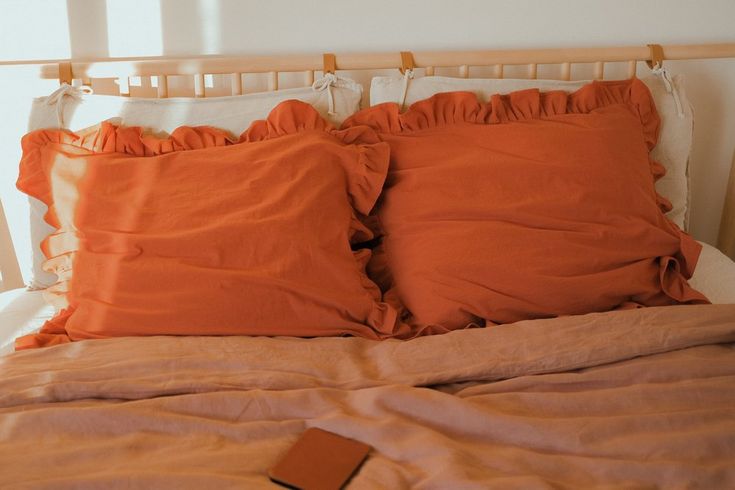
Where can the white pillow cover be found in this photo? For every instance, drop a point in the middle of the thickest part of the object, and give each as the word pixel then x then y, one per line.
pixel 233 114
pixel 675 138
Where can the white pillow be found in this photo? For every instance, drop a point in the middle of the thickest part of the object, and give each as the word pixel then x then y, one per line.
pixel 675 138
pixel 233 114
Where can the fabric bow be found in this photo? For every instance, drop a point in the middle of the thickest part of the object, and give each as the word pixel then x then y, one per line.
pixel 57 98
pixel 328 81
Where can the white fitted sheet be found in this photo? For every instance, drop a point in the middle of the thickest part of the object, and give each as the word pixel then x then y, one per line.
pixel 714 275
pixel 23 311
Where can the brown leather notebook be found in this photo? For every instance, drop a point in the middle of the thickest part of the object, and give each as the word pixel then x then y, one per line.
pixel 319 460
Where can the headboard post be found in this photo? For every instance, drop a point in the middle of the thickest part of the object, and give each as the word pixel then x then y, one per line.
pixel 11 275
pixel 726 240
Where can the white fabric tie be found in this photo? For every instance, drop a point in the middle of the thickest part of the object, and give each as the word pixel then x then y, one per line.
pixel 668 82
pixel 57 98
pixel 407 75
pixel 328 81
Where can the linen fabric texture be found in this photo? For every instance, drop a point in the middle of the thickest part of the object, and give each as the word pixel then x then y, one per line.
pixel 530 205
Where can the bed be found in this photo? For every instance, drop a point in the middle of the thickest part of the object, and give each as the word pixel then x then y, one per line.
pixel 639 397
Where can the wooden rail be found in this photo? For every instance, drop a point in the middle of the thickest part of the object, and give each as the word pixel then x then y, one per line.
pixel 236 66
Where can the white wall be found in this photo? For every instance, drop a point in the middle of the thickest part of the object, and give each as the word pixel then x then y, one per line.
pixel 99 28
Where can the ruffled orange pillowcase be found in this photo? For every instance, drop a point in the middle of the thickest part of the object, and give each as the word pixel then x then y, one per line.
pixel 199 234
pixel 532 205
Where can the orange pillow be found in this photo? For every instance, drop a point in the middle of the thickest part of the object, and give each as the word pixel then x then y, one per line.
pixel 532 205
pixel 198 234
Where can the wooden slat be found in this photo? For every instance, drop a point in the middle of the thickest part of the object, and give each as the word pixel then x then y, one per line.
pixel 123 85
pixel 162 86
pixel 236 83
pixel 429 71
pixel 464 71
pixel 566 71
pixel 533 71
pixel 498 71
pixel 65 73
pixel 632 68
pixel 599 73
pixel 272 81
pixel 199 85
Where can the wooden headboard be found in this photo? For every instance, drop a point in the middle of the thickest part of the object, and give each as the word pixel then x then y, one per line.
pixel 161 68
pixel 158 70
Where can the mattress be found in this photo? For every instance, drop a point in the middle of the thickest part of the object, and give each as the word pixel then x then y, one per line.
pixel 23 311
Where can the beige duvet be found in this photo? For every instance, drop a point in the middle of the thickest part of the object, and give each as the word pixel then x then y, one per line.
pixel 631 399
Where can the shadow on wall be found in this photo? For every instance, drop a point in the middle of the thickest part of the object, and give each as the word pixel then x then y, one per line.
pixel 87 21
pixel 714 139
pixel 201 25
pixel 120 28
pixel 726 240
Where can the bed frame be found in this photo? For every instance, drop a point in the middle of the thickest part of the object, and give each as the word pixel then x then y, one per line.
pixel 158 69
pixel 84 71
pixel 10 275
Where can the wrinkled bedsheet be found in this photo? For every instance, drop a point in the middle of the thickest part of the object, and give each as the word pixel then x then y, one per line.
pixel 637 399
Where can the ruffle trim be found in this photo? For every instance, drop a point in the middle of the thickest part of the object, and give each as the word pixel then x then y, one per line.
pixel 444 109
pixel 464 107
pixel 449 108
pixel 287 118
pixel 364 184
pixel 364 180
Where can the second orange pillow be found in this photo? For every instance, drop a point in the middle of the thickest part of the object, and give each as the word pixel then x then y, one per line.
pixel 532 205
